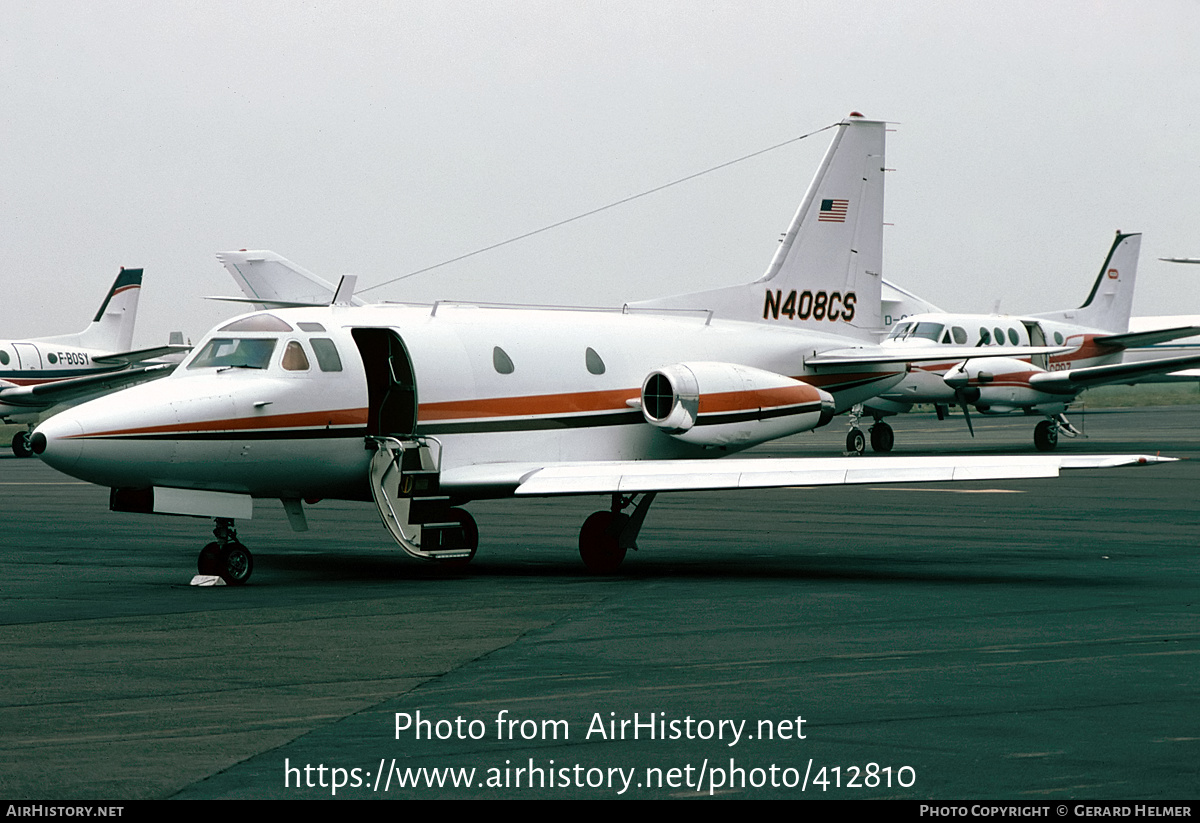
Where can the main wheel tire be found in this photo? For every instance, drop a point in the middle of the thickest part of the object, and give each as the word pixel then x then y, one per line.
pixel 599 547
pixel 470 536
pixel 20 445
pixel 856 441
pixel 882 438
pixel 209 561
pixel 236 564
pixel 1045 436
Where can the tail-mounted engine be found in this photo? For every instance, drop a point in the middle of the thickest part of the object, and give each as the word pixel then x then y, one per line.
pixel 723 404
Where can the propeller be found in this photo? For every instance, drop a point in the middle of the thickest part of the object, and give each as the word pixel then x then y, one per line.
pixel 964 393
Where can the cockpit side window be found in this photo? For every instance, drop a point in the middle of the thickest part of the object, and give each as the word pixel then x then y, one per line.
pixel 327 354
pixel 294 358
pixel 235 352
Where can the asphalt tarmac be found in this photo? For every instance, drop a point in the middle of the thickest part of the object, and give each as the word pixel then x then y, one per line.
pixel 1031 640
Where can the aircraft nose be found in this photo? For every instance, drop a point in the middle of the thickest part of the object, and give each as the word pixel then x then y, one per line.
pixel 57 443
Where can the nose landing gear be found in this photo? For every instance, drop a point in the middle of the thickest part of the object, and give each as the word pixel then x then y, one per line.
pixel 226 557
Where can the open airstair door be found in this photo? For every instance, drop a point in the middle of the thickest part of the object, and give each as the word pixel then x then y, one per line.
pixel 405 468
pixel 1037 337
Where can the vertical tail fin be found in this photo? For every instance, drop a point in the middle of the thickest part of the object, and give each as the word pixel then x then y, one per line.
pixel 1110 302
pixel 827 273
pixel 112 328
pixel 270 280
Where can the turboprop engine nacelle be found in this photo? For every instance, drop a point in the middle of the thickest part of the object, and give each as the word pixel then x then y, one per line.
pixel 723 404
pixel 997 384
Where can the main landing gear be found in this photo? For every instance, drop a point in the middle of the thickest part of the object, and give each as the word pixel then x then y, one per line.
pixel 1045 434
pixel 882 435
pixel 226 557
pixel 607 535
pixel 20 445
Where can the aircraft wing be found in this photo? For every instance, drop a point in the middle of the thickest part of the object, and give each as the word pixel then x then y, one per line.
pixel 1148 338
pixel 51 393
pixel 1084 378
pixel 637 476
pixel 141 355
pixel 864 356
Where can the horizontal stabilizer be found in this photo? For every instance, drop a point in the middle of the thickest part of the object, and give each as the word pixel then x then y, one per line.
pixel 272 281
pixel 1147 338
pixel 269 304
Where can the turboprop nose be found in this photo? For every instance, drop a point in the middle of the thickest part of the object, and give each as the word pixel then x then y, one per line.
pixel 57 441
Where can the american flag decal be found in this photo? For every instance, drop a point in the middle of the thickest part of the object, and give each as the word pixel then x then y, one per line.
pixel 833 211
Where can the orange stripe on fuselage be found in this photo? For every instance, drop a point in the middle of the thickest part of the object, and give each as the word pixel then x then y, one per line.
pixel 321 419
pixel 480 408
pixel 527 406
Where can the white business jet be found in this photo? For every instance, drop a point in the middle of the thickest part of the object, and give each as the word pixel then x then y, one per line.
pixel 39 374
pixel 1093 337
pixel 423 408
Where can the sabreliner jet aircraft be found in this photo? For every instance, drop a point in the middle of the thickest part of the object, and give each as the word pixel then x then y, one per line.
pixel 41 373
pixel 423 408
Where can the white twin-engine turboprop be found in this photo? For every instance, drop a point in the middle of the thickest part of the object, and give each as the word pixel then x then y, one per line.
pixel 1093 341
pixel 423 408
pixel 38 374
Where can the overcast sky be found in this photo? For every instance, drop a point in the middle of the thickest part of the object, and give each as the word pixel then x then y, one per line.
pixel 378 138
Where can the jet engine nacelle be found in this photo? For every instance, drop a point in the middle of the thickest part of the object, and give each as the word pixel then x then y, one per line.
pixel 724 404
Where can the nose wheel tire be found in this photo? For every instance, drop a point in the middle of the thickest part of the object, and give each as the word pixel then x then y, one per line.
pixel 232 562
pixel 599 546
pixel 236 564
pixel 209 562
pixel 20 445
pixel 856 441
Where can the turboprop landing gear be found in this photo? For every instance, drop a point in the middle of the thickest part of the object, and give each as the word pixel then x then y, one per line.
pixel 20 445
pixel 226 557
pixel 607 535
pixel 856 441
pixel 1045 434
pixel 882 437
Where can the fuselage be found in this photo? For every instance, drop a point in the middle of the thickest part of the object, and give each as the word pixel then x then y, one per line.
pixel 277 404
pixel 1005 381
pixel 35 362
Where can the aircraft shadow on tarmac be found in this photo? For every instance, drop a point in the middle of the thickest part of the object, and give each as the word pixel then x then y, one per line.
pixel 285 570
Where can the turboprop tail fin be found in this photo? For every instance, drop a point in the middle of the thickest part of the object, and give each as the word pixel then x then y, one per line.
pixel 112 327
pixel 1111 300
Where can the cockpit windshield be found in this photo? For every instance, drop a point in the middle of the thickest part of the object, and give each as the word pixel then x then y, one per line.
pixel 235 352
pixel 926 331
